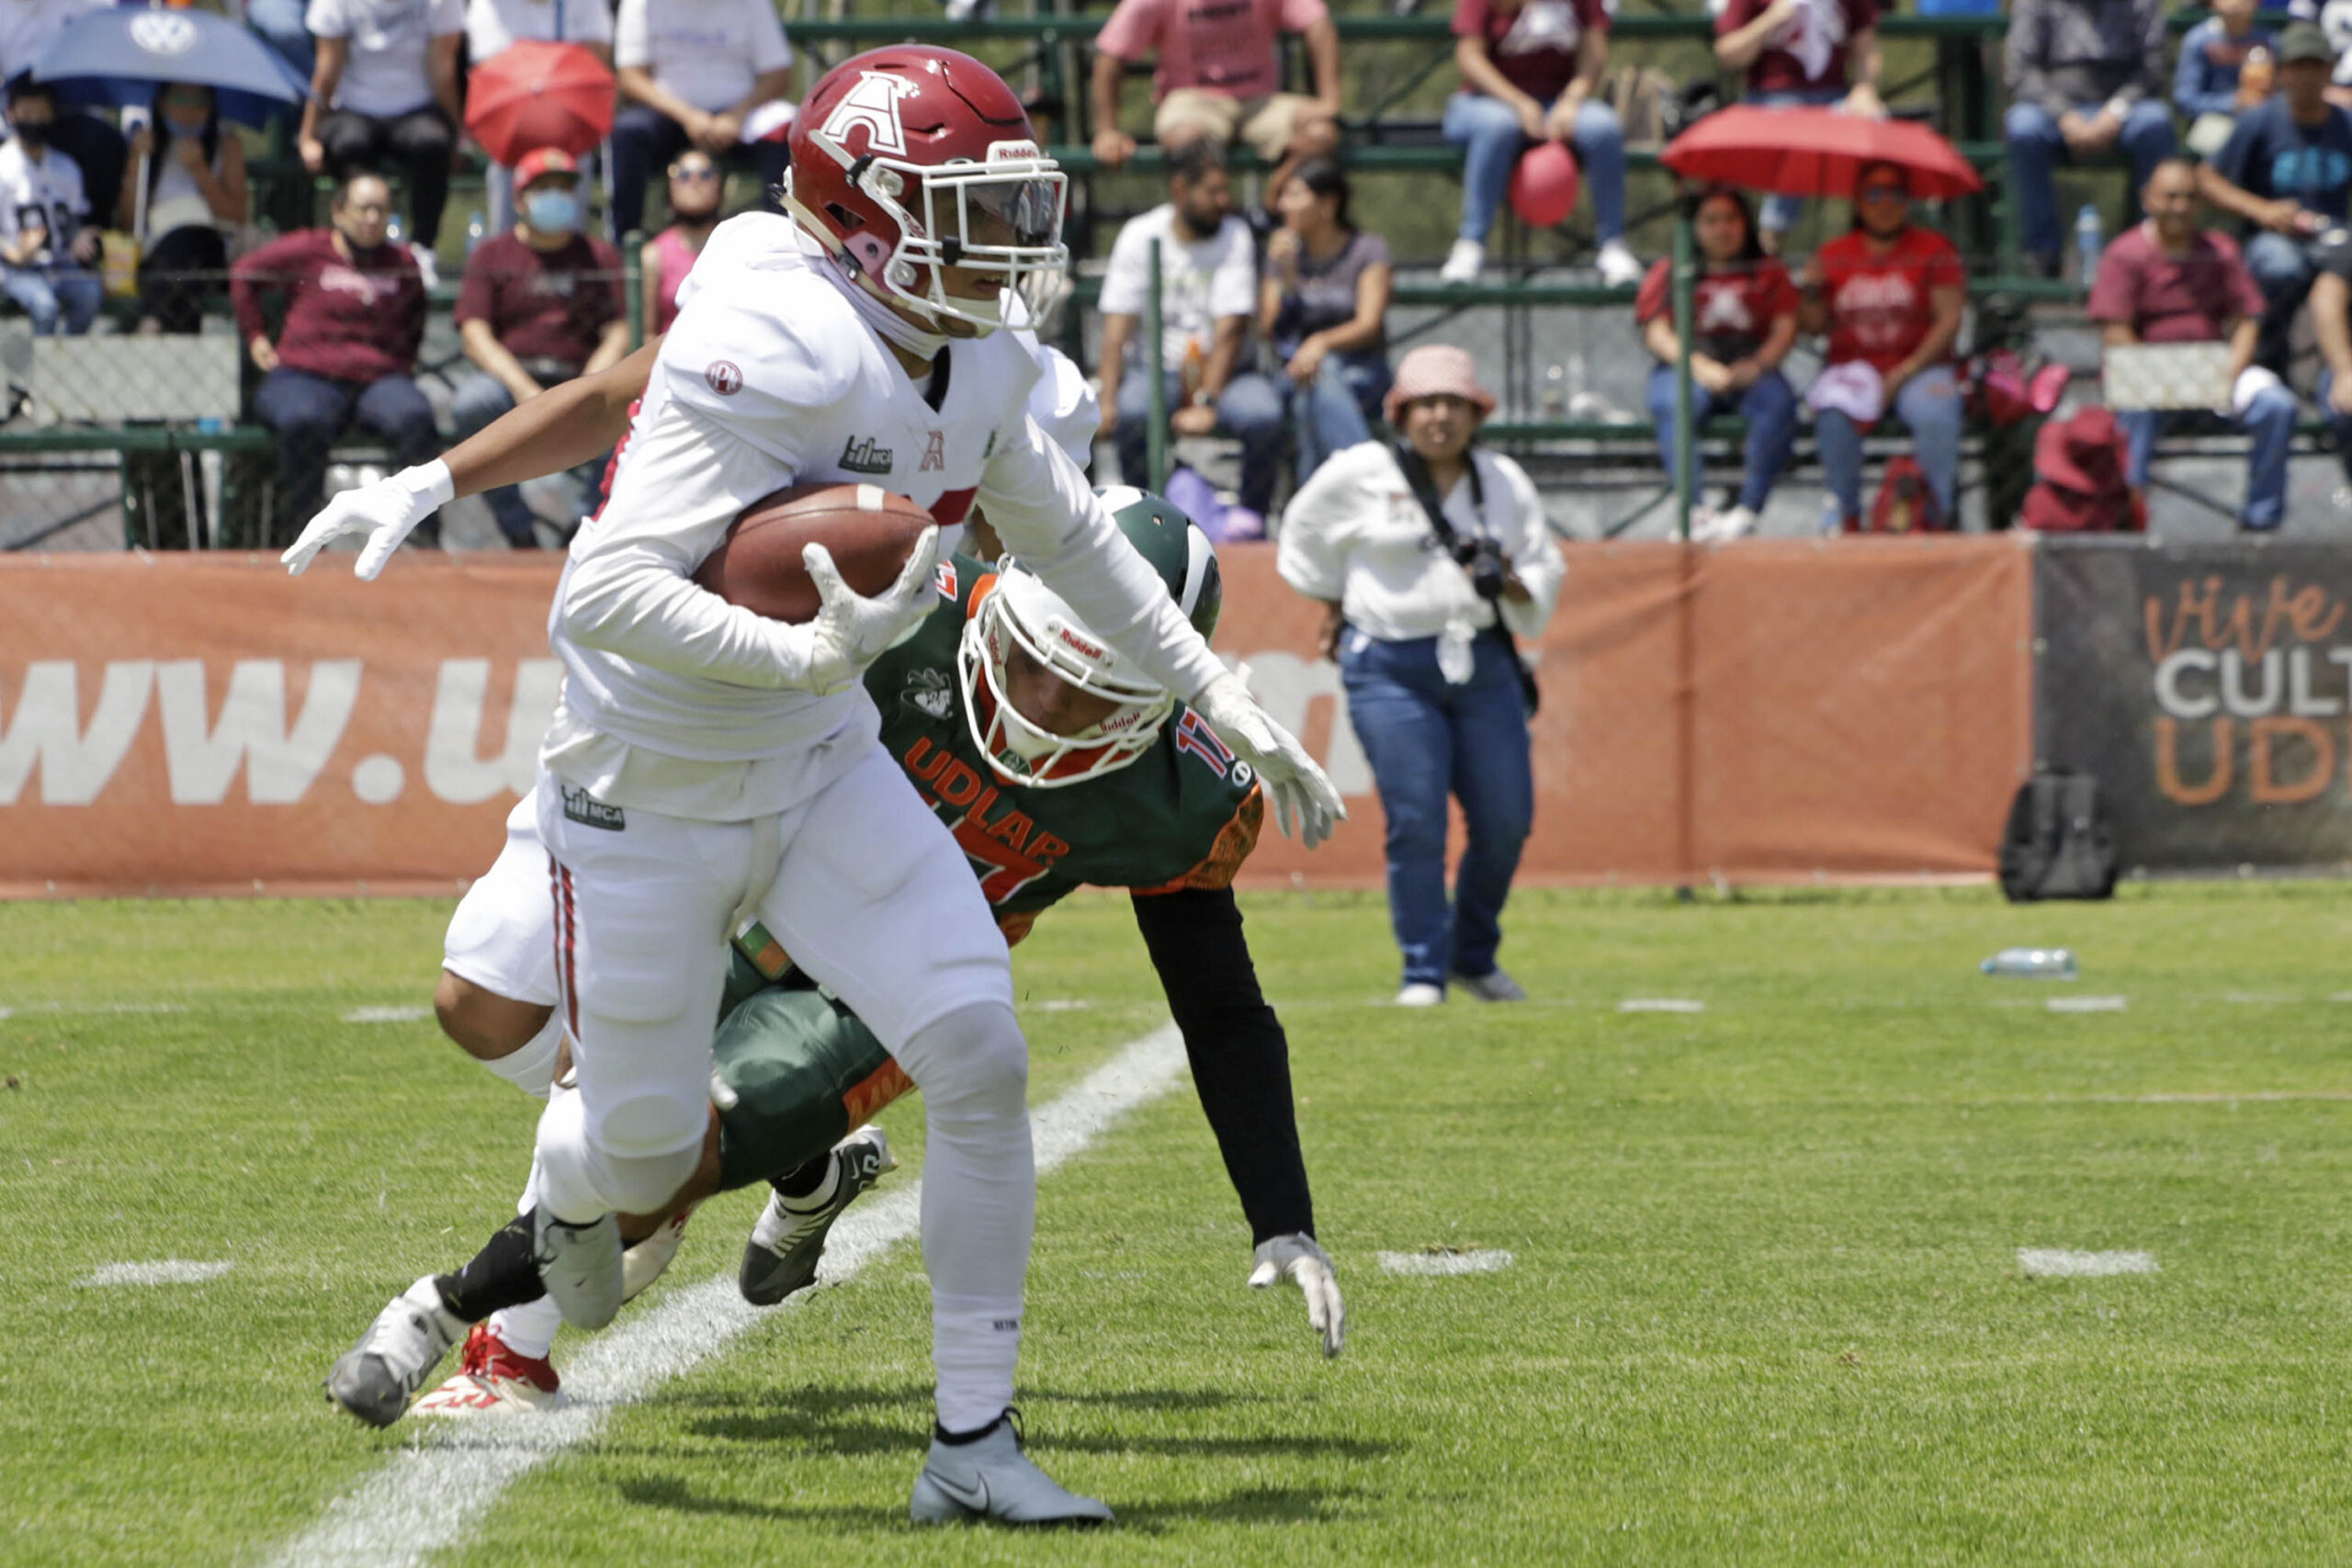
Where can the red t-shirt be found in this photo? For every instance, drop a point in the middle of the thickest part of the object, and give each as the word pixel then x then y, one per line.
pixel 1879 305
pixel 1781 67
pixel 2192 298
pixel 1533 44
pixel 544 304
pixel 352 320
pixel 1731 310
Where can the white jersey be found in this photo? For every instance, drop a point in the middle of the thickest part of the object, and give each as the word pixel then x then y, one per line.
pixel 679 702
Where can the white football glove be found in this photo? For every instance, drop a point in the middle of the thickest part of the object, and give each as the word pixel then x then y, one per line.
pixel 384 512
pixel 1305 805
pixel 852 631
pixel 1295 1257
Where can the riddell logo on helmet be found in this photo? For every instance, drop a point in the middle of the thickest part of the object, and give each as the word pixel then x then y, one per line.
pixel 873 103
pixel 1072 640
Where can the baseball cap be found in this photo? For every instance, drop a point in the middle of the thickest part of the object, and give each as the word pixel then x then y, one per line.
pixel 544 161
pixel 2304 40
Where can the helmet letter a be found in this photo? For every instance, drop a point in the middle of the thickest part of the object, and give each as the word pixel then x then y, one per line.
pixel 873 103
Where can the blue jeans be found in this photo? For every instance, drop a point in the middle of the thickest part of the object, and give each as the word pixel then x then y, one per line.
pixel 1929 403
pixel 2283 269
pixel 478 400
pixel 2036 148
pixel 1427 739
pixel 2270 421
pixel 1250 407
pixel 1335 411
pixel 1770 407
pixel 1780 213
pixel 1489 128
pixel 308 414
pixel 279 23
pixel 46 291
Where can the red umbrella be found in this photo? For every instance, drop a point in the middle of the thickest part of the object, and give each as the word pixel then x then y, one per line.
pixel 533 94
pixel 1815 152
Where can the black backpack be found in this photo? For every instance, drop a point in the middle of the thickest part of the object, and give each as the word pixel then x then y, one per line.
pixel 2059 843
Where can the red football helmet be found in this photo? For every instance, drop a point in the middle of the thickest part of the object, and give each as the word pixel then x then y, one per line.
pixel 913 159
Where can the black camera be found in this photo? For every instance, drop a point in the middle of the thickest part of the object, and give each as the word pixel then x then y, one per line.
pixel 1483 558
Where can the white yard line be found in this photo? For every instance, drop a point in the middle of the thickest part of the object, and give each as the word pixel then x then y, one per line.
pixel 1661 1004
pixel 2051 1262
pixel 1445 1262
pixel 168 1271
pixel 426 1497
pixel 2085 1004
pixel 387 1015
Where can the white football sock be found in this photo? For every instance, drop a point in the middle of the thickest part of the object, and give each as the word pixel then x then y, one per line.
pixel 529 1330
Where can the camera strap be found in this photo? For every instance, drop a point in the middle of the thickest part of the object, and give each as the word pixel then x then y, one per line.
pixel 1418 480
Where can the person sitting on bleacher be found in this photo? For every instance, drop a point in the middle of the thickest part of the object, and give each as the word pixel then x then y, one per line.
pixel 355 317
pixel 539 306
pixel 692 73
pixel 2287 171
pixel 1528 71
pixel 1219 77
pixel 492 27
pixel 384 91
pixel 697 183
pixel 1819 52
pixel 96 148
pixel 46 243
pixel 1208 269
pixel 1324 306
pixel 2212 86
pixel 1890 294
pixel 2084 78
pixel 196 186
pixel 1744 320
pixel 2169 281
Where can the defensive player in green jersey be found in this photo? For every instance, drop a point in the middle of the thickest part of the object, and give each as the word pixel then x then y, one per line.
pixel 1057 765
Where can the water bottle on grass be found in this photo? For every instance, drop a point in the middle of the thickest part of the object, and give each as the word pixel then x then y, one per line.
pixel 2031 963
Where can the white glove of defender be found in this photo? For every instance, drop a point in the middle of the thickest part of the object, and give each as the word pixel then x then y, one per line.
pixel 1295 1257
pixel 852 631
pixel 1305 805
pixel 385 512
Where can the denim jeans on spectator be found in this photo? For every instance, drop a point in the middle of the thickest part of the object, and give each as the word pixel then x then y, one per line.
pixel 308 414
pixel 2037 147
pixel 280 24
pixel 644 142
pixel 1770 407
pixel 1489 128
pixel 58 298
pixel 2269 419
pixel 1427 739
pixel 1780 213
pixel 2339 425
pixel 1929 403
pixel 1251 407
pixel 482 397
pixel 2284 270
pixel 1337 410
pixel 415 144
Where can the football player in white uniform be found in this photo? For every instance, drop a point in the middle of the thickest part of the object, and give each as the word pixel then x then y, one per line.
pixel 706 763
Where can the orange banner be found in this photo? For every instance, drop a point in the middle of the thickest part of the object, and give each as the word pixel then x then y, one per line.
pixel 1772 711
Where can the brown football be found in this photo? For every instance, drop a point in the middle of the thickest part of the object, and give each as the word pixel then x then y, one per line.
pixel 869 531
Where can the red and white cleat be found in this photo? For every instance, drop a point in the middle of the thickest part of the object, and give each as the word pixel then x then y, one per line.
pixel 494 1381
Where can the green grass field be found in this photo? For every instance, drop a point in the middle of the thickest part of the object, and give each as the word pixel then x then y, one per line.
pixel 1765 1305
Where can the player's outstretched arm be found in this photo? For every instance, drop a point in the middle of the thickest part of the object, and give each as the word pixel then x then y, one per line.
pixel 561 428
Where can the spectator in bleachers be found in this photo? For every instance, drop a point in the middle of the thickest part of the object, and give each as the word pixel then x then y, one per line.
pixel 692 73
pixel 1529 69
pixel 1824 54
pixel 697 183
pixel 96 147
pixel 1323 304
pixel 1219 77
pixel 384 96
pixel 2213 84
pixel 2331 302
pixel 1889 293
pixel 539 305
pixel 355 317
pixel 2085 78
pixel 494 25
pixel 1208 268
pixel 196 188
pixel 46 242
pixel 279 23
pixel 1744 314
pixel 2287 171
pixel 2169 280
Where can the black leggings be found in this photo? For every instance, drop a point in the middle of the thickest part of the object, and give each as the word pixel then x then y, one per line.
pixel 180 271
pixel 416 143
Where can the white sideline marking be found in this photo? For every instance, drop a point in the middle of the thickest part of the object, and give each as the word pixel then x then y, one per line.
pixel 1060 1004
pixel 170 1271
pixel 1661 1004
pixel 93 1007
pixel 2052 1262
pixel 387 1015
pixel 2085 1004
pixel 1445 1262
pixel 426 1496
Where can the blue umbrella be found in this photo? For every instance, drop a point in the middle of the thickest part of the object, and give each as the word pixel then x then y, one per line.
pixel 116 56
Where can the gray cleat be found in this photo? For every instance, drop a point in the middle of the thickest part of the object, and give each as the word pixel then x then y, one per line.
pixel 1492 987
pixel 790 1239
pixel 992 1477
pixel 581 1267
pixel 376 1378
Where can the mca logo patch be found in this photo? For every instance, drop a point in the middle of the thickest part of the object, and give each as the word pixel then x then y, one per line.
pixel 928 689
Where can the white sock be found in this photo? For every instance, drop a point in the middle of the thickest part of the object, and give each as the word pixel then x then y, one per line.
pixel 531 1067
pixel 529 1330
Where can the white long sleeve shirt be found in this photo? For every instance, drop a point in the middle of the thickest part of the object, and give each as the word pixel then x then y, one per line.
pixel 678 701
pixel 1355 534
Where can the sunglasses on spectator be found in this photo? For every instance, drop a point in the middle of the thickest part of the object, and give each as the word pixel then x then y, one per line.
pixel 1881 193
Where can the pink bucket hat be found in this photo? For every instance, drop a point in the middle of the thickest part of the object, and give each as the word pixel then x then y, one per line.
pixel 1436 371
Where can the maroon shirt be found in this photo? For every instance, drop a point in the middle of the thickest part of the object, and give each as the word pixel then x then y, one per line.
pixel 2191 297
pixel 544 304
pixel 358 321
pixel 1534 44
pixel 1731 311
pixel 1777 70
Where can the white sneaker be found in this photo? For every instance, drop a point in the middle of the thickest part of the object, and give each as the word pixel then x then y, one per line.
pixel 495 1381
pixel 374 1379
pixel 1703 522
pixel 426 262
pixel 992 1477
pixel 1462 263
pixel 1736 524
pixel 790 1239
pixel 1617 264
pixel 581 1267
pixel 1420 994
pixel 1492 987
